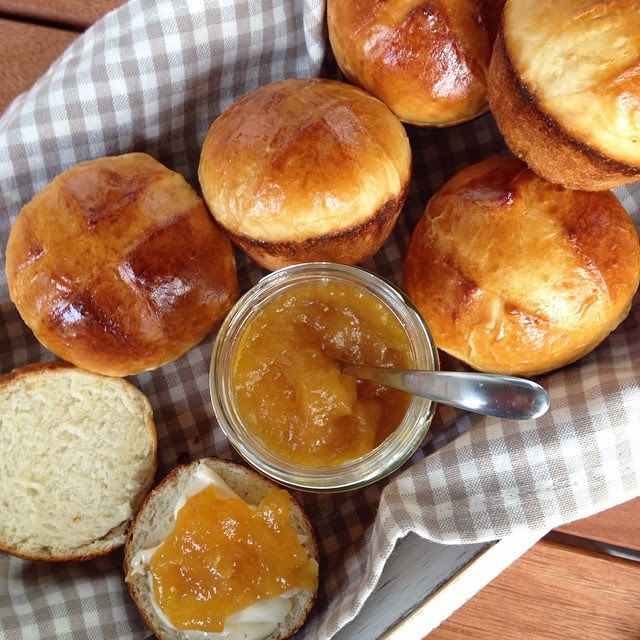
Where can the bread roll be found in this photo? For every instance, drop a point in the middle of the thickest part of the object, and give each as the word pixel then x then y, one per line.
pixel 77 457
pixel 156 520
pixel 117 267
pixel 564 87
pixel 427 62
pixel 519 276
pixel 306 170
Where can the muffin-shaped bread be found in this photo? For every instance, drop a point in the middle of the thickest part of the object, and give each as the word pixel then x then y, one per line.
pixel 427 61
pixel 117 267
pixel 306 170
pixel 517 275
pixel 564 87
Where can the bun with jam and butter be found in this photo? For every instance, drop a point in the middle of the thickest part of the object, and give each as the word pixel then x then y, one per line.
pixel 517 275
pixel 220 551
pixel 77 457
pixel 117 267
pixel 564 88
pixel 306 170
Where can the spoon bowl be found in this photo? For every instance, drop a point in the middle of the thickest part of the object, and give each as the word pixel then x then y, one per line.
pixel 495 395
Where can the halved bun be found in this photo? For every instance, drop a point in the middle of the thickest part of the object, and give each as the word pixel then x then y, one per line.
pixel 517 275
pixel 564 88
pixel 156 520
pixel 77 457
pixel 427 62
pixel 117 267
pixel 306 170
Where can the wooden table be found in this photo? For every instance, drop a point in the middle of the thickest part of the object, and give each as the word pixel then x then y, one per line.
pixel 568 585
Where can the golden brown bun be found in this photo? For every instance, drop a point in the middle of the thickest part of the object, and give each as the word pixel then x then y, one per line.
pixel 564 88
pixel 117 267
pixel 427 61
pixel 306 170
pixel 156 520
pixel 519 276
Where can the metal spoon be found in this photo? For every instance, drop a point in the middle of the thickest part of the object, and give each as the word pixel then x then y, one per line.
pixel 489 394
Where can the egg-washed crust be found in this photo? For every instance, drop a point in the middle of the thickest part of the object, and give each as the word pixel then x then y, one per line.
pixel 427 61
pixel 117 267
pixel 304 170
pixel 155 520
pixel 540 140
pixel 519 276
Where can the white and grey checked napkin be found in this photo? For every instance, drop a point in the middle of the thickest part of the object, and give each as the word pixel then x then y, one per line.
pixel 152 76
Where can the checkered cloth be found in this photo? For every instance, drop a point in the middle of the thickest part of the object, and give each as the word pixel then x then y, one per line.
pixel 152 76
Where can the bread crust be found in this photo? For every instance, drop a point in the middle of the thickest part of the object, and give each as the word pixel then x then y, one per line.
pixel 117 267
pixel 427 61
pixel 535 135
pixel 306 170
pixel 21 383
pixel 155 520
pixel 516 275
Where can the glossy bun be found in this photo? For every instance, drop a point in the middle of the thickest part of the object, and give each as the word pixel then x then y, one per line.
pixel 306 170
pixel 564 88
pixel 427 61
pixel 517 275
pixel 117 267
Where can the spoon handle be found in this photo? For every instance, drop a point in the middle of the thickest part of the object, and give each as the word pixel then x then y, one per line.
pixel 489 394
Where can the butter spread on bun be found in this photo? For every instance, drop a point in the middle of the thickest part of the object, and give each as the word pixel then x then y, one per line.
pixel 564 88
pixel 117 267
pixel 204 562
pixel 306 170
pixel 517 275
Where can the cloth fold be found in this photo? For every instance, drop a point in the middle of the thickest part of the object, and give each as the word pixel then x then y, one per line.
pixel 152 76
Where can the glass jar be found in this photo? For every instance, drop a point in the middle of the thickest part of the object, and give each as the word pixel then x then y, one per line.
pixel 351 474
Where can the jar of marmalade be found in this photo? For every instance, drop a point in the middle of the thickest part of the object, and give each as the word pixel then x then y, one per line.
pixel 279 394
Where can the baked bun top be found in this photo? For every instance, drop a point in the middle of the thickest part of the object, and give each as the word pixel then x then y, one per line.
pixel 297 164
pixel 427 61
pixel 117 267
pixel 581 63
pixel 519 276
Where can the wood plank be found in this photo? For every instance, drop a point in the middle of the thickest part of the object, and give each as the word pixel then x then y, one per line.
pixel 619 526
pixel 553 592
pixel 78 14
pixel 27 51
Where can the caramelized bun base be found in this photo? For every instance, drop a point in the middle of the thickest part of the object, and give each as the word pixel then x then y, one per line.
pixel 567 105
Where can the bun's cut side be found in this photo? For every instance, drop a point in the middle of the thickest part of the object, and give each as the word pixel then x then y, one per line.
pixel 306 170
pixel 519 276
pixel 427 61
pixel 117 267
pixel 564 88
pixel 77 457
pixel 156 520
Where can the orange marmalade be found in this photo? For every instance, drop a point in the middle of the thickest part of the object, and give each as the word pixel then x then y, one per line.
pixel 288 388
pixel 224 556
